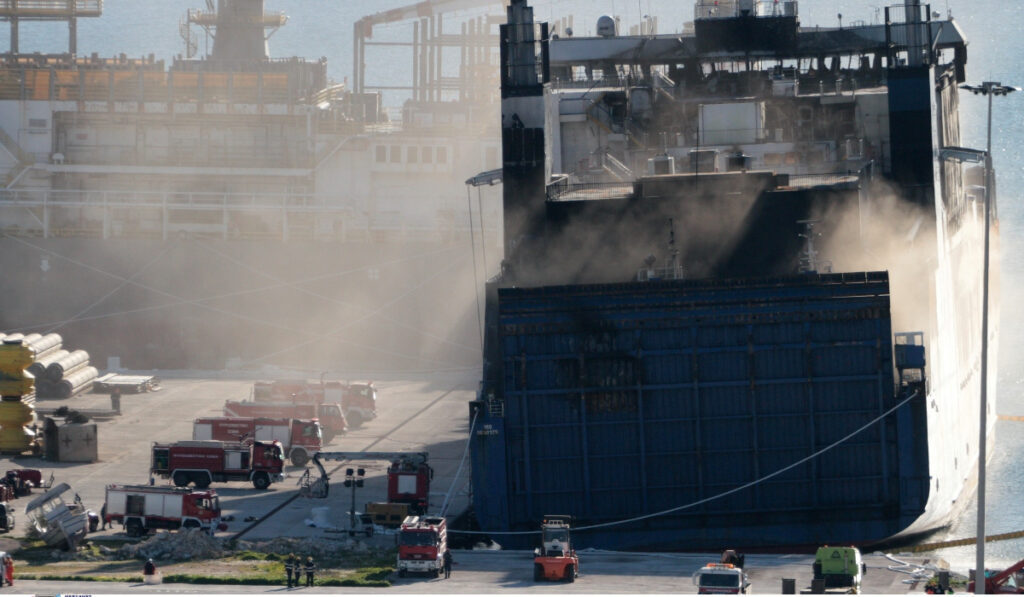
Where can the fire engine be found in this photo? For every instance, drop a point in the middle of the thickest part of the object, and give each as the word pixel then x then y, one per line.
pixel 555 559
pixel 205 462
pixel 721 578
pixel 422 541
pixel 409 478
pixel 358 400
pixel 300 439
pixel 332 422
pixel 141 508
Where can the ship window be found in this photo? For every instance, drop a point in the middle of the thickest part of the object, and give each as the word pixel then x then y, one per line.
pixel 412 155
pixel 442 155
pixel 428 155
pixel 396 154
pixel 382 153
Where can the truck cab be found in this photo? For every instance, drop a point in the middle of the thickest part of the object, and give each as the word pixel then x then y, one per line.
pixel 555 559
pixel 422 541
pixel 839 567
pixel 717 578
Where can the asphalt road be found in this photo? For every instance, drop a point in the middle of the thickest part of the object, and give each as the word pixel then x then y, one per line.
pixel 482 572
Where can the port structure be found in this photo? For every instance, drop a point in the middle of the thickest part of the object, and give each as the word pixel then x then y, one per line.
pixel 15 11
pixel 476 42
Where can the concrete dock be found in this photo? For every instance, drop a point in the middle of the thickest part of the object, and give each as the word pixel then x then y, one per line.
pixel 424 414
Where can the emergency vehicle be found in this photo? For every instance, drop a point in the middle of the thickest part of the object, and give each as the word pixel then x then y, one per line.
pixel 300 439
pixel 721 579
pixel 332 422
pixel 422 541
pixel 205 462
pixel 358 400
pixel 142 508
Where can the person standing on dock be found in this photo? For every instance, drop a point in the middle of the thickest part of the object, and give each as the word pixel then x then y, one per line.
pixel 291 567
pixel 447 563
pixel 310 571
pixel 115 399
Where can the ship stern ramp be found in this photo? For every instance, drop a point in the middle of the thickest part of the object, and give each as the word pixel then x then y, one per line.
pixel 689 415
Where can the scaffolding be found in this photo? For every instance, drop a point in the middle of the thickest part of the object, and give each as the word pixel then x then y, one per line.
pixel 16 11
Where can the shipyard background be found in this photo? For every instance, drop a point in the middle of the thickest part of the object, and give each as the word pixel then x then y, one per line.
pixel 323 28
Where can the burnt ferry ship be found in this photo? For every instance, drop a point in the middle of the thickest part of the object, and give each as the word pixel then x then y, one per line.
pixel 740 301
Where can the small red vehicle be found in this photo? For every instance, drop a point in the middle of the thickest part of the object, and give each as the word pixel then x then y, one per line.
pixel 555 559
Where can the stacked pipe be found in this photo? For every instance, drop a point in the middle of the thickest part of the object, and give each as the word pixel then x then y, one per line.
pixel 74 383
pixel 45 345
pixel 38 368
pixel 61 368
pixel 59 379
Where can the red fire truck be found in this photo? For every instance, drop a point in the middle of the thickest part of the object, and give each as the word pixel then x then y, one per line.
pixel 300 439
pixel 205 462
pixel 409 478
pixel 332 422
pixel 422 541
pixel 358 400
pixel 141 508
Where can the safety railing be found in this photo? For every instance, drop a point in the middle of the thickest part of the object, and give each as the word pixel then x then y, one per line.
pixel 51 8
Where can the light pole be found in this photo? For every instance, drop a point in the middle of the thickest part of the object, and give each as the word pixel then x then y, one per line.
pixel 353 479
pixel 990 89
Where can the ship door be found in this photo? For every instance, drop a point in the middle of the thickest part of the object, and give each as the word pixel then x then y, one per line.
pixel 233 460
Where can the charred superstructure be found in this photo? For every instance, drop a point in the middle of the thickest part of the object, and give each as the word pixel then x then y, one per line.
pixel 729 257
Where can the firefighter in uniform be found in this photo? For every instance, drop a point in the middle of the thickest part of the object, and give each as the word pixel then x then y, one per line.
pixel 310 570
pixel 291 567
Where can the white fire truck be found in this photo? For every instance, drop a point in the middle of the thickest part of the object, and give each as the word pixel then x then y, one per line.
pixel 141 508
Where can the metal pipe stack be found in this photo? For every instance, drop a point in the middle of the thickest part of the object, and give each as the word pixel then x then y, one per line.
pixel 38 368
pixel 58 370
pixel 74 383
pixel 46 345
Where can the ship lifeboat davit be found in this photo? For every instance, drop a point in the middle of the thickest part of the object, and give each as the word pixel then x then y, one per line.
pixel 15 382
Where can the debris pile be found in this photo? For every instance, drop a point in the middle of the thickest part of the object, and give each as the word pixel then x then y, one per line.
pixel 307 546
pixel 186 544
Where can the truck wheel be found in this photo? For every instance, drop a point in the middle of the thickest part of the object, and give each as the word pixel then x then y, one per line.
pixel 538 572
pixel 299 457
pixel 181 478
pixel 570 573
pixel 202 481
pixel 261 480
pixel 190 524
pixel 354 419
pixel 134 528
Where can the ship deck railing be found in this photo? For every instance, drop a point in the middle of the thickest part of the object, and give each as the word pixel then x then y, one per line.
pixel 586 191
pixel 49 213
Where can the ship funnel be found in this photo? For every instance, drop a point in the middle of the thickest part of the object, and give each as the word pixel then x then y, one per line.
pixel 238 28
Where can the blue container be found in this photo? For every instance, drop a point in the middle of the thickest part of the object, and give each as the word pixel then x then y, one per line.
pixel 612 402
